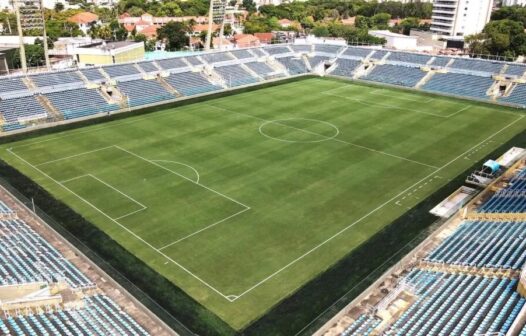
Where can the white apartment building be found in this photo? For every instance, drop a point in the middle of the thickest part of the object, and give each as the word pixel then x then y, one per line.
pixel 458 18
pixel 514 2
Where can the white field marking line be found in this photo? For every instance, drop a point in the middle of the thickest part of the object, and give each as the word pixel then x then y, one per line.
pixel 380 93
pixel 72 156
pixel 374 210
pixel 279 122
pixel 182 164
pixel 73 178
pixel 116 123
pixel 203 229
pixel 146 116
pixel 144 207
pixel 182 176
pixel 385 105
pixel 131 213
pixel 459 111
pixel 326 138
pixel 120 225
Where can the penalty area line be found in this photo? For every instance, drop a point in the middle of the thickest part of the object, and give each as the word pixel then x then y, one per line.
pixel 204 229
pixel 226 297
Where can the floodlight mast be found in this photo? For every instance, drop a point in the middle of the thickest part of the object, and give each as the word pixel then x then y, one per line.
pixel 216 15
pixel 30 15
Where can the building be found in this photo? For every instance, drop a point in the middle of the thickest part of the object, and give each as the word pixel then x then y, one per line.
pixel 396 41
pixel 246 40
pixel 514 3
pixel 109 53
pixel 459 18
pixel 85 20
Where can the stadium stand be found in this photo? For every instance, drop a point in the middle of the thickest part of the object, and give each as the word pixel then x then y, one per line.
pixel 29 267
pixel 193 60
pixel 316 60
pixel 459 304
pixel 148 67
pixel 363 326
pixel 515 70
pixel 379 54
pixel 20 109
pixel 142 92
pixel 79 103
pixel 409 58
pixel 477 65
pixel 277 50
pixel 517 96
pixel 345 67
pixel 261 68
pixel 26 257
pixel 93 74
pixel 242 54
pixel 295 66
pixel 99 316
pixel 440 61
pixel 459 84
pixel 258 52
pixel 511 199
pixel 396 75
pixel 328 49
pixel 172 63
pixel 357 52
pixel 13 85
pixel 484 244
pixel 191 83
pixel 235 75
pixel 56 78
pixel 469 78
pixel 217 57
pixel 124 70
pixel 301 48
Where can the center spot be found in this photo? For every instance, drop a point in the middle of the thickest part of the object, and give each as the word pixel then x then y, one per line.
pixel 300 130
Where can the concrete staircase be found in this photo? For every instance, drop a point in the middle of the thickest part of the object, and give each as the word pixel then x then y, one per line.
pixel 50 108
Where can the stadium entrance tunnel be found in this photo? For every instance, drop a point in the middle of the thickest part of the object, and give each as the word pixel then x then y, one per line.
pixel 299 130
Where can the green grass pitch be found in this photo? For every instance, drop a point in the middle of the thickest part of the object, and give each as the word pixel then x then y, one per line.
pixel 242 199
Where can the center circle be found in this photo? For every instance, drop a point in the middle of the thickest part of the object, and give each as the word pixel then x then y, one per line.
pixel 298 130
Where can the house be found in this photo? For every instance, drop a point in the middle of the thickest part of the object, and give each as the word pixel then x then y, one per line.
pixel 224 43
pixel 264 38
pixel 85 20
pixel 285 23
pixel 246 40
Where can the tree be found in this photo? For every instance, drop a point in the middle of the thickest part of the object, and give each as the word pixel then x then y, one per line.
pixel 501 37
pixel 59 7
pixel 260 24
pixel 249 5
pixel 149 45
pixel 175 35
pixel 380 21
pixel 34 55
pixel 321 31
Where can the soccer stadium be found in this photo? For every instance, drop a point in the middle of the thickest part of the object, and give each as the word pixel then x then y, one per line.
pixel 288 189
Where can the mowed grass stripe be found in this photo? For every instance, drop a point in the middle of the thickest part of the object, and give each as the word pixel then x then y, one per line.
pixel 300 194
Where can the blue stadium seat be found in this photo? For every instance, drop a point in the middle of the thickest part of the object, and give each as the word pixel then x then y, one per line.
pixel 396 75
pixel 459 84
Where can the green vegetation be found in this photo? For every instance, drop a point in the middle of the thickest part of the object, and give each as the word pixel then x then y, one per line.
pixel 292 179
pixel 504 35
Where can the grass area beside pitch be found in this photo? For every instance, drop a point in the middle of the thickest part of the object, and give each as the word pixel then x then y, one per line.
pixel 242 199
